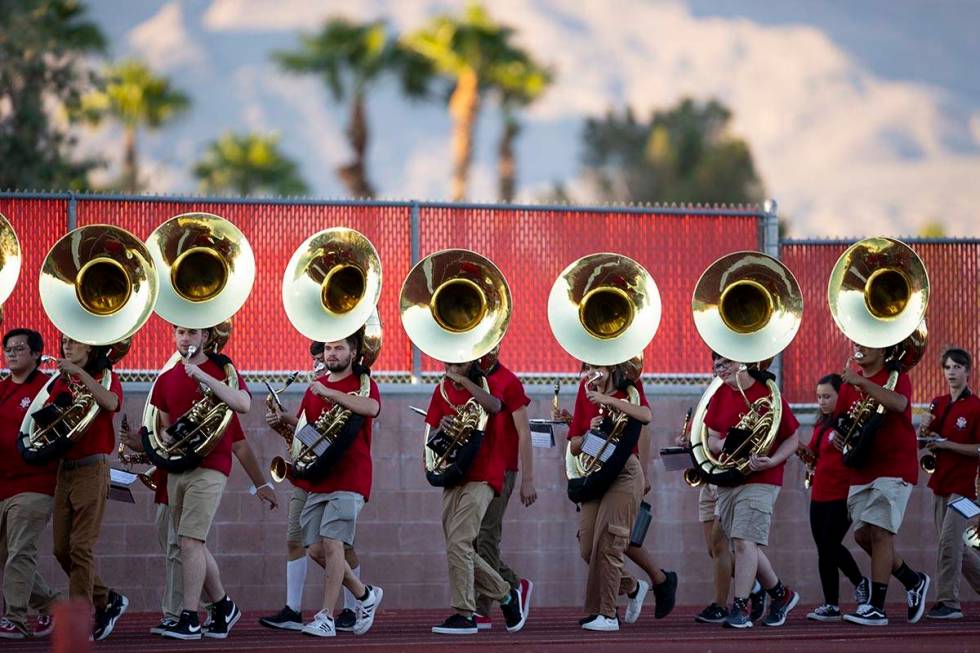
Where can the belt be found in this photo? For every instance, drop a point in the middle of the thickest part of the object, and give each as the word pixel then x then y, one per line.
pixel 83 462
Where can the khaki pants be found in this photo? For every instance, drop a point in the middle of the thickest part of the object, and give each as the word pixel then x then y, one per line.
pixel 194 497
pixel 463 508
pixel 953 555
pixel 173 592
pixel 488 541
pixel 294 532
pixel 604 531
pixel 22 520
pixel 79 504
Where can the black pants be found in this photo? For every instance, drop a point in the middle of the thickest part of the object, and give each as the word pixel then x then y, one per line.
pixel 829 523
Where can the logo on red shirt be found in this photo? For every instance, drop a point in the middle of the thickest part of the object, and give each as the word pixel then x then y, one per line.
pixel 960 422
pixel 25 403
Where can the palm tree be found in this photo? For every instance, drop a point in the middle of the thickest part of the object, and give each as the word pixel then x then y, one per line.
pixel 474 53
pixel 132 94
pixel 524 84
pixel 350 57
pixel 248 164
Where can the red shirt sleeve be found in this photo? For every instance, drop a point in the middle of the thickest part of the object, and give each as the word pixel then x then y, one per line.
pixel 159 396
pixel 437 409
pixel 643 395
pixel 115 387
pixel 788 424
pixel 582 415
pixel 514 397
pixel 375 394
pixel 903 386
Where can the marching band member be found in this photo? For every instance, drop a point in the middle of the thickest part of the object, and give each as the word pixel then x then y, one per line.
pixel 512 436
pixel 83 484
pixel 605 522
pixel 954 417
pixel 329 516
pixel 194 495
pixel 464 506
pixel 26 493
pixel 829 521
pixel 745 510
pixel 880 489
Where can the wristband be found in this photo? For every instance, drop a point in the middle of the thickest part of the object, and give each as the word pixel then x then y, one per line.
pixel 254 490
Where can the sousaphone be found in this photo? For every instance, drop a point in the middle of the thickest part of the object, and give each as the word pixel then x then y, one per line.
pixel 604 309
pixel 747 306
pixel 206 270
pixel 330 290
pixel 98 286
pixel 10 260
pixel 455 306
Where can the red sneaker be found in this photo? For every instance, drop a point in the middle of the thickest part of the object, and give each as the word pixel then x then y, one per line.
pixel 10 630
pixel 482 623
pixel 44 625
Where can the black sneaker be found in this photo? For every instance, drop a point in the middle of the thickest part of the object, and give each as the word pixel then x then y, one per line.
pixel 757 602
pixel 165 624
pixel 779 611
pixel 917 598
pixel 943 611
pixel 457 624
pixel 737 618
pixel 867 615
pixel 285 619
pixel 105 620
pixel 225 615
pixel 862 591
pixel 345 620
pixel 515 615
pixel 665 594
pixel 186 628
pixel 713 614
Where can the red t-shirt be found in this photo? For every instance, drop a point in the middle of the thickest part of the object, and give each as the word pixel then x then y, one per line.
pixel 17 476
pixel 100 436
pixel 894 452
pixel 958 422
pixel 506 387
pixel 585 411
pixel 175 392
pixel 488 465
pixel 354 471
pixel 831 477
pixel 159 476
pixel 726 409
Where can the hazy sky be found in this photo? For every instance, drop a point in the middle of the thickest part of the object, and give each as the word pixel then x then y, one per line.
pixel 864 116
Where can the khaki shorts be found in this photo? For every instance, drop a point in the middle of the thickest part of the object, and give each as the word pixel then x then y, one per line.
pixel 879 503
pixel 332 515
pixel 294 532
pixel 194 497
pixel 707 503
pixel 745 511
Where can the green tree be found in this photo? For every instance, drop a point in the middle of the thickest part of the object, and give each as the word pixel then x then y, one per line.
pixel 525 83
pixel 683 154
pixel 42 44
pixel 248 164
pixel 474 53
pixel 350 57
pixel 133 95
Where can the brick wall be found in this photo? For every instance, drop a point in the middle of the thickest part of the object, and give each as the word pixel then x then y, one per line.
pixel 400 540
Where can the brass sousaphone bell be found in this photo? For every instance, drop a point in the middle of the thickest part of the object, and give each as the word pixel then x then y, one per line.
pixel 455 305
pixel 747 307
pixel 10 261
pixel 330 290
pixel 98 286
pixel 206 270
pixel 604 309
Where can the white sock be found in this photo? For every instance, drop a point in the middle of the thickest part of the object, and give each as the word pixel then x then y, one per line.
pixel 295 580
pixel 350 602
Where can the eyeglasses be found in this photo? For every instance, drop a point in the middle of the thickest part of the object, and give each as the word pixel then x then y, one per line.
pixel 14 350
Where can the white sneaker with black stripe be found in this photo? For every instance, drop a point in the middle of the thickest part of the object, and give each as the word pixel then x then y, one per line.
pixel 867 615
pixel 366 610
pixel 321 626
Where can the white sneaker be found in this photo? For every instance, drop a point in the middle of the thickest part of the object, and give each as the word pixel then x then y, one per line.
pixel 365 610
pixel 600 623
pixel 321 626
pixel 635 604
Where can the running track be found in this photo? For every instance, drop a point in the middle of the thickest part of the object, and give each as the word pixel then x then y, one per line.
pixel 555 630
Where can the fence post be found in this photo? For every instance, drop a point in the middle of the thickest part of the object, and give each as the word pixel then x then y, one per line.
pixel 770 245
pixel 416 255
pixel 72 211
